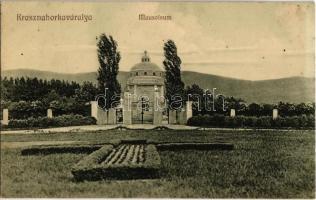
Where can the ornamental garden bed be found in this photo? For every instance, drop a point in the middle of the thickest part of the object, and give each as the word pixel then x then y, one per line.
pixel 125 161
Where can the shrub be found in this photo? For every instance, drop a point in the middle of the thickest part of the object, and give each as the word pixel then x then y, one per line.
pixel 311 121
pixel 194 146
pixel 251 121
pixel 293 122
pixel 303 121
pixel 59 121
pixel 239 121
pixel 53 149
pixel 134 141
pixel 197 120
pixel 230 122
pixel 264 122
pixel 36 109
pixel 218 120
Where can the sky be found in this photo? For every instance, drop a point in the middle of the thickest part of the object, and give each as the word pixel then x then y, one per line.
pixel 253 41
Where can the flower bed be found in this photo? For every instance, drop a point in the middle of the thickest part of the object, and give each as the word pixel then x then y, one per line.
pixel 126 161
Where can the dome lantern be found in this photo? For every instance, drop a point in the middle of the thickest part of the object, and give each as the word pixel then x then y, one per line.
pixel 145 65
pixel 145 57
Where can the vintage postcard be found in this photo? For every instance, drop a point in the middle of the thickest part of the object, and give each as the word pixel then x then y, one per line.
pixel 157 99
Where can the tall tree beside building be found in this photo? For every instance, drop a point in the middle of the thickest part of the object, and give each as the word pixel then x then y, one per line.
pixel 109 59
pixel 173 82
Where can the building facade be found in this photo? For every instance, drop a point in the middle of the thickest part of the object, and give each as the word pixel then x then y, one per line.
pixel 143 100
pixel 146 79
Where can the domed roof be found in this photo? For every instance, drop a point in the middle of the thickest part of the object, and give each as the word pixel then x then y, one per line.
pixel 143 80
pixel 145 65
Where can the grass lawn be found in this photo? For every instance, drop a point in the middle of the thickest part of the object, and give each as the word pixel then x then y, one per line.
pixel 264 164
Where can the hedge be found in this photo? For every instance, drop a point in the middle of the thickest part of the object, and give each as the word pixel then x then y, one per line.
pixel 134 141
pixel 25 109
pixel 54 149
pixel 44 122
pixel 302 121
pixel 194 146
pixel 92 167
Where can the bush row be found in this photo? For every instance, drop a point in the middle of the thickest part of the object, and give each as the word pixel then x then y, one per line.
pixel 92 168
pixel 194 146
pixel 302 121
pixel 25 109
pixel 59 121
pixel 55 149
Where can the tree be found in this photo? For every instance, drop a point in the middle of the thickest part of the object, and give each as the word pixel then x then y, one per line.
pixel 173 83
pixel 236 103
pixel 86 93
pixel 266 109
pixel 254 109
pixel 286 109
pixel 50 97
pixel 109 59
pixel 5 89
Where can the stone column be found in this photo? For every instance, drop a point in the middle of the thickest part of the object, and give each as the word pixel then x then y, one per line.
pixel 162 91
pixel 127 110
pixel 182 117
pixel 135 89
pixel 5 117
pixel 172 117
pixel 188 110
pixel 232 113
pixel 157 110
pixel 49 113
pixel 112 116
pixel 184 114
pixel 94 109
pixel 275 114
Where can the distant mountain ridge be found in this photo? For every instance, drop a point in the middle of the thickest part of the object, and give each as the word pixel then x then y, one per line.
pixel 292 89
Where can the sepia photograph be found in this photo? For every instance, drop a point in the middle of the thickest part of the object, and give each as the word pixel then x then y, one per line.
pixel 177 99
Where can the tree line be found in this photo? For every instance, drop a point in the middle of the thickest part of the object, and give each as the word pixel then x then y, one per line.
pixel 222 105
pixel 34 89
pixel 25 97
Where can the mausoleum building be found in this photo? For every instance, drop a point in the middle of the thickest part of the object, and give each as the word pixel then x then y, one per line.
pixel 143 100
pixel 146 79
